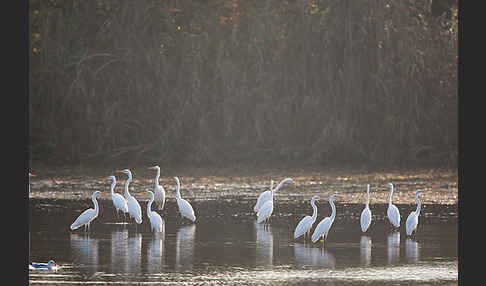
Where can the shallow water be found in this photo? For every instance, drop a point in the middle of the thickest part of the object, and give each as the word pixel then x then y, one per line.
pixel 226 247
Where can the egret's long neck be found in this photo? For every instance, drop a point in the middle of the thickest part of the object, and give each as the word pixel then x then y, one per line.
pixel 333 207
pixel 149 204
pixel 314 214
pixel 367 195
pixel 281 183
pixel 112 188
pixel 127 194
pixel 157 177
pixel 95 202
pixel 178 190
pixel 417 212
pixel 390 195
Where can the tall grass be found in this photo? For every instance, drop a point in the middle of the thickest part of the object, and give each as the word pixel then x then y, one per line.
pixel 233 81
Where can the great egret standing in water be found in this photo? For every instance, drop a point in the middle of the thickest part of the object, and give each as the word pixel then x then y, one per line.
pixel 185 207
pixel 263 197
pixel 88 215
pixel 322 229
pixel 365 219
pixel 412 220
pixel 119 201
pixel 159 191
pixel 305 224
pixel 266 209
pixel 134 209
pixel 392 211
pixel 154 217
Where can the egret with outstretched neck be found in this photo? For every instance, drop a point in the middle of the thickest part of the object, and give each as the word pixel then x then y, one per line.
pixel 88 215
pixel 159 191
pixel 266 209
pixel 134 209
pixel 305 224
pixel 412 220
pixel 154 217
pixel 392 211
pixel 322 229
pixel 185 208
pixel 365 219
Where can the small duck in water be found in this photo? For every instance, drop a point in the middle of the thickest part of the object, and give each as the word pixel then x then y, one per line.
pixel 51 265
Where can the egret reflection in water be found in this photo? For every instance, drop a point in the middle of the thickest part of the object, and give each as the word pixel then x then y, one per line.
pixel 393 247
pixel 412 251
pixel 264 244
pixel 155 251
pixel 134 246
pixel 365 250
pixel 307 254
pixel 84 250
pixel 119 251
pixel 185 247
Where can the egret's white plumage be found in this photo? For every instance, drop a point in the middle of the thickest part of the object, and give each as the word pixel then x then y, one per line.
pixel 263 197
pixel 154 217
pixel 159 191
pixel 266 209
pixel 185 207
pixel 86 217
pixel 119 201
pixel 392 211
pixel 30 175
pixel 365 219
pixel 305 224
pixel 412 220
pixel 134 209
pixel 322 229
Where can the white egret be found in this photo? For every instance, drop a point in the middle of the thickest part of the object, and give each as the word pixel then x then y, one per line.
pixel 154 217
pixel 51 265
pixel 266 209
pixel 412 220
pixel 134 209
pixel 185 207
pixel 88 215
pixel 322 229
pixel 119 201
pixel 263 197
pixel 159 191
pixel 365 219
pixel 392 211
pixel 305 224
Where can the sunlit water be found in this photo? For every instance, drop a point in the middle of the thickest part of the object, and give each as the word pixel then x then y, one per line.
pixel 226 247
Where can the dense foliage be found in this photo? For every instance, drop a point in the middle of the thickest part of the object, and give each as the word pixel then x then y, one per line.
pixel 234 81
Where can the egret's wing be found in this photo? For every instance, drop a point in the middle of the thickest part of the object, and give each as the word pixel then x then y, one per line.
pixel 186 210
pixel 365 219
pixel 134 209
pixel 321 229
pixel 304 225
pixel 265 196
pixel 83 218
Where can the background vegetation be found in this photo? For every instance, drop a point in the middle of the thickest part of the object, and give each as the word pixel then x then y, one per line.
pixel 229 81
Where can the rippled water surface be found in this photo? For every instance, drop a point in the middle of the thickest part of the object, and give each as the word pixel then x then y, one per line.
pixel 225 246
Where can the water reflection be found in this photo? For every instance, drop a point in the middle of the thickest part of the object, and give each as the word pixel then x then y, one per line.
pixel 84 250
pixel 155 251
pixel 412 251
pixel 316 256
pixel 134 247
pixel 365 250
pixel 119 251
pixel 185 247
pixel 264 244
pixel 393 247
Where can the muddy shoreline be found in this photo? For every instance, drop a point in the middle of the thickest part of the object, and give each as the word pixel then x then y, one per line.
pixel 440 186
